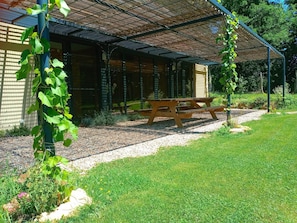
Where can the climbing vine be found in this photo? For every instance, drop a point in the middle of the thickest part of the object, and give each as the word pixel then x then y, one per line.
pixel 49 86
pixel 229 75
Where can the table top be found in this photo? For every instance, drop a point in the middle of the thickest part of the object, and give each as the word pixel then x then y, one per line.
pixel 200 99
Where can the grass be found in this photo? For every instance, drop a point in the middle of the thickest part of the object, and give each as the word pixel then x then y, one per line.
pixel 257 100
pixel 249 177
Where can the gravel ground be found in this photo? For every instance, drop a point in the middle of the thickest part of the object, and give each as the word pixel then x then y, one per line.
pixel 126 139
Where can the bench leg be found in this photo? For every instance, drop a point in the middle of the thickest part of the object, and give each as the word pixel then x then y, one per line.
pixel 152 116
pixel 213 114
pixel 177 119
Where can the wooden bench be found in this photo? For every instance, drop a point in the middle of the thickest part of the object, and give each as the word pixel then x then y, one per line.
pixel 178 108
pixel 148 111
pixel 211 109
pixel 120 108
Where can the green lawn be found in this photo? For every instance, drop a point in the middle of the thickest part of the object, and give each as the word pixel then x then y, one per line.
pixel 249 177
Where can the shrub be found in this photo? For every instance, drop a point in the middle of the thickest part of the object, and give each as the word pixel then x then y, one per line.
pixel 107 119
pixel 86 121
pixel 21 130
pixel 223 131
pixel 103 118
pixel 286 102
pixel 259 103
pixel 279 89
pixel 134 116
pixel 34 192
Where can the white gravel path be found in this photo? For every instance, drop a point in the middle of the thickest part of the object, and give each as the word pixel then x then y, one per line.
pixel 152 146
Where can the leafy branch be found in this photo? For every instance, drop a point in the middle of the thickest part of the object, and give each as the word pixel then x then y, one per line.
pixel 229 75
pixel 49 85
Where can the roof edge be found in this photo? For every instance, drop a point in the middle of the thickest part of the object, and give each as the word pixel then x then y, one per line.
pixel 248 29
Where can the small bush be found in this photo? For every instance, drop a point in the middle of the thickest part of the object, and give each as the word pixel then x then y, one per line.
pixel 86 121
pixel 279 89
pixel 259 102
pixel 103 118
pixel 223 131
pixel 2 133
pixel 120 118
pixel 134 117
pixel 32 193
pixel 21 130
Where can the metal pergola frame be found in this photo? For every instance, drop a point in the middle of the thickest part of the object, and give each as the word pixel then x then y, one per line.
pixel 176 29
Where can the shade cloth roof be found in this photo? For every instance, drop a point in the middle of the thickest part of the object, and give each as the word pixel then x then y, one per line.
pixel 178 29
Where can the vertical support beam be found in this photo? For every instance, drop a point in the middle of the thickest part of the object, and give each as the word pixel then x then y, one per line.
pixel 284 77
pixel 167 75
pixel 268 79
pixel 67 68
pixel 104 102
pixel 172 80
pixel 108 56
pixel 141 83
pixel 176 78
pixel 183 83
pixel 43 31
pixel 26 93
pixel 2 78
pixel 124 69
pixel 156 80
pixel 3 70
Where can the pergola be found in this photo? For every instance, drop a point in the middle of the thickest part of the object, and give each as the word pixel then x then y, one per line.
pixel 181 30
pixel 184 30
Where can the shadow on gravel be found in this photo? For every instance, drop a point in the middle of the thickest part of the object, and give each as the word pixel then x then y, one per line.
pixel 17 153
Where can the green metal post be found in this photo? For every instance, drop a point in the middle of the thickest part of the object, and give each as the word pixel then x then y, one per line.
pixel 156 80
pixel 284 77
pixel 229 110
pixel 268 80
pixel 172 71
pixel 141 84
pixel 183 83
pixel 43 30
pixel 176 79
pixel 124 69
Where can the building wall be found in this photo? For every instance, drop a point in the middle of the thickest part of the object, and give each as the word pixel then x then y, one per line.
pixel 15 96
pixel 201 81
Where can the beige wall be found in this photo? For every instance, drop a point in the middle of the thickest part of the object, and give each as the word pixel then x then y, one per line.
pixel 201 81
pixel 15 96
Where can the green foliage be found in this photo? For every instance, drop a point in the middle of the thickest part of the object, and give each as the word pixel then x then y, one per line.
pixel 277 25
pixel 45 185
pixel 134 116
pixel 107 118
pixel 41 189
pixel 289 101
pixel 103 118
pixel 229 75
pixel 223 131
pixel 279 89
pixel 21 130
pixel 270 21
pixel 258 100
pixel 49 85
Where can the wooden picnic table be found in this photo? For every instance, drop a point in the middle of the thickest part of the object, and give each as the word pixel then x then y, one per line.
pixel 180 108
